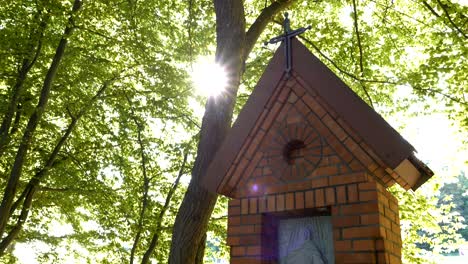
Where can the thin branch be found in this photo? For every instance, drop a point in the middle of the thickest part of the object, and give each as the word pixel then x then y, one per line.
pixel 460 101
pixel 450 19
pixel 405 15
pixel 43 26
pixel 97 33
pixel 219 218
pixel 52 189
pixel 180 116
pixel 356 28
pixel 261 22
pixel 364 88
pixel 361 57
pixel 144 198
pixel 430 9
pixel 189 32
pixel 343 71
pixel 159 219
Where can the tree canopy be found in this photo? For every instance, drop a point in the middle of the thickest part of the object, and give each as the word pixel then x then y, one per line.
pixel 99 128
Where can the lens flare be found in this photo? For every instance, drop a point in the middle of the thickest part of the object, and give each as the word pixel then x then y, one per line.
pixel 208 77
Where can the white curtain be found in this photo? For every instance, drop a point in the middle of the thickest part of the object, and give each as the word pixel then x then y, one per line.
pixel 307 240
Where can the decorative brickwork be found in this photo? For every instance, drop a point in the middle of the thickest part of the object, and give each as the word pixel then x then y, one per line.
pixel 328 147
pixel 303 160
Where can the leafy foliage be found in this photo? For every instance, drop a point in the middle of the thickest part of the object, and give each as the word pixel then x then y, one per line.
pixel 123 79
pixel 95 185
pixel 454 194
pixel 428 229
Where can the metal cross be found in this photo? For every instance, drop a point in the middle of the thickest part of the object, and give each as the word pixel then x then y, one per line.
pixel 286 37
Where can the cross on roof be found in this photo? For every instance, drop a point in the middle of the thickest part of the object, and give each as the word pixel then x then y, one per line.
pixel 286 37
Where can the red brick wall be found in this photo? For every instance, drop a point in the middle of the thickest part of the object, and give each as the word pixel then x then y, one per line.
pixel 335 173
pixel 364 219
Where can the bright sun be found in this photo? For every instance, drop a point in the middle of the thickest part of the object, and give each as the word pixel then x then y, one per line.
pixel 209 78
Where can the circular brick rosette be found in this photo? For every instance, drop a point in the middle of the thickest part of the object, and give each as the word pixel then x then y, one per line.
pixel 293 151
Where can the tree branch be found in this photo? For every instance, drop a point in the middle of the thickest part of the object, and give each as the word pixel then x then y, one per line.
pixel 362 80
pixel 219 218
pixel 33 184
pixel 267 14
pixel 19 223
pixel 361 63
pixel 189 31
pixel 356 28
pixel 18 87
pixel 144 198
pixel 450 19
pixel 97 33
pixel 66 189
pixel 35 118
pixel 159 219
pixel 369 98
pixel 430 9
pixel 426 90
pixel 16 122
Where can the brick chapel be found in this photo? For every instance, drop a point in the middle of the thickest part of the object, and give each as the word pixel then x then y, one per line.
pixel 307 165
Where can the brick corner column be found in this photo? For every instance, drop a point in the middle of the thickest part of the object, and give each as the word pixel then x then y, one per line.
pixel 368 231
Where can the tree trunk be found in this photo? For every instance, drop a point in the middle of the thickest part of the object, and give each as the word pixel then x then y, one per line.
pixel 201 251
pixel 10 189
pixel 194 213
pixel 19 223
pixel 233 47
pixel 27 64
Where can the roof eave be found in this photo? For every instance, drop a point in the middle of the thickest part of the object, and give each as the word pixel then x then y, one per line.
pixel 426 172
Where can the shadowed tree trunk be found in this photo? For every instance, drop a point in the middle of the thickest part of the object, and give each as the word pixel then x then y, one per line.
pixel 34 120
pixel 26 65
pixel 233 46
